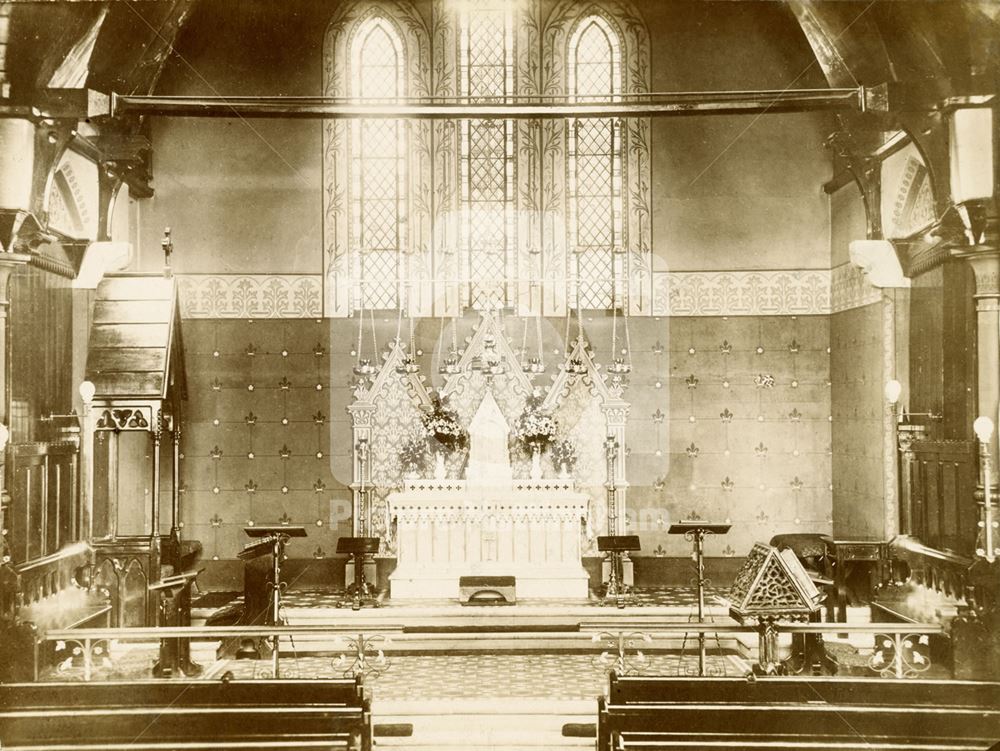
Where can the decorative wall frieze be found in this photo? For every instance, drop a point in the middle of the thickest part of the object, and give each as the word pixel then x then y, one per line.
pixel 849 289
pixel 741 293
pixel 251 295
pixel 686 293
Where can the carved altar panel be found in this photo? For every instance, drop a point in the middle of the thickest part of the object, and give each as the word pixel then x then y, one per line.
pixel 386 414
pixel 530 529
pixel 583 423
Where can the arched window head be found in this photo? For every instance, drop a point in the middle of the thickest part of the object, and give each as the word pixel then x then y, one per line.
pixel 594 59
pixel 378 163
pixel 377 61
pixel 376 173
pixel 595 166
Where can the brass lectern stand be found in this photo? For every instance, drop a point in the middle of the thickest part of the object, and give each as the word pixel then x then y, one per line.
pixel 694 530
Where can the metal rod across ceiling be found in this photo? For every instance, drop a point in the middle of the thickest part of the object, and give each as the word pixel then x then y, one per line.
pixel 659 104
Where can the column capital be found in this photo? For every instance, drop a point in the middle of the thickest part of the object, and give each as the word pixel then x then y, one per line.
pixel 985 262
pixel 9 262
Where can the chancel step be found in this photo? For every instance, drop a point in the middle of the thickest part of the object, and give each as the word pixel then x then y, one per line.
pixel 513 725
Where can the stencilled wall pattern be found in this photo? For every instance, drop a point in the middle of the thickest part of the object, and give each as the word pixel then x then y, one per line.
pixel 730 419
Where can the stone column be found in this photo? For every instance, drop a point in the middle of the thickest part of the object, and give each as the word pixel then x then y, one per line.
pixel 985 262
pixel 8 263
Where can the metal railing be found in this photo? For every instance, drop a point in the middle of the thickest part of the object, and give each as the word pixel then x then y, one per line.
pixel 898 650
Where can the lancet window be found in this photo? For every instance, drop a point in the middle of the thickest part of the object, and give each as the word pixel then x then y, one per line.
pixel 486 162
pixel 594 158
pixel 378 165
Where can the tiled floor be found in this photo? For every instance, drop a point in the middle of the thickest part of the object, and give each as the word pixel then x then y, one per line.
pixel 508 676
pixel 646 597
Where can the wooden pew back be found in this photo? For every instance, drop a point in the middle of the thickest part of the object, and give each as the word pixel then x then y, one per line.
pixel 816 713
pixel 47 593
pixel 195 714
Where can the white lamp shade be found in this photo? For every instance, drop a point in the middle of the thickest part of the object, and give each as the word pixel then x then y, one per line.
pixel 971 153
pixel 87 391
pixel 893 389
pixel 4 436
pixel 983 426
pixel 879 262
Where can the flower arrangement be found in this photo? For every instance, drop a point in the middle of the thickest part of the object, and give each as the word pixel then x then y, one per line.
pixel 441 424
pixel 413 455
pixel 563 452
pixel 535 429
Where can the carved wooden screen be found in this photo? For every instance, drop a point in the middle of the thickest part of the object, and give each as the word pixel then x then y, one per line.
pixel 939 479
pixel 44 491
pixel 41 355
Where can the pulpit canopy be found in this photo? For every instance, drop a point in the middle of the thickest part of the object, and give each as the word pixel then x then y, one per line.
pixel 135 359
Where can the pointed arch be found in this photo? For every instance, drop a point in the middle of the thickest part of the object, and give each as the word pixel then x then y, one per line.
pixel 615 28
pixel 488 207
pixel 594 167
pixel 376 212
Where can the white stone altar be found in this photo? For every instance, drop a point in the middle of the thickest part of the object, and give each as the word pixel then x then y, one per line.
pixel 530 530
pixel 488 525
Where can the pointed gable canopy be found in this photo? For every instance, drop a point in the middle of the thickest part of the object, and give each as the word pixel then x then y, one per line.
pixel 135 355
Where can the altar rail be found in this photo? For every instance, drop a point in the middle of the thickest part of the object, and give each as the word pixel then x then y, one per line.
pixel 620 640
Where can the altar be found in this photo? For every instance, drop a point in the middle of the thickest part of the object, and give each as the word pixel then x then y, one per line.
pixel 488 524
pixel 529 529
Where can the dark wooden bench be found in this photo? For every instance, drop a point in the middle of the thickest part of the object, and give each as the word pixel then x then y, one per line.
pixel 782 712
pixel 199 715
pixel 54 592
pixel 939 586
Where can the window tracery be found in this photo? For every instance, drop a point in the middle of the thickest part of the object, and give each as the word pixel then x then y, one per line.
pixel 594 157
pixel 535 215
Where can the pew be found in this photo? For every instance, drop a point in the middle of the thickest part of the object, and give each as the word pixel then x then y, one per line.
pixel 198 715
pixel 54 592
pixel 783 712
pixel 923 584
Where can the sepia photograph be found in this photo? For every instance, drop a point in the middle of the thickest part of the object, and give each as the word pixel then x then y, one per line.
pixel 499 375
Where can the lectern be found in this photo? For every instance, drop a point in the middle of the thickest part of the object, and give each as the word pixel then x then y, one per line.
pixel 175 610
pixel 273 539
pixel 694 530
pixel 360 547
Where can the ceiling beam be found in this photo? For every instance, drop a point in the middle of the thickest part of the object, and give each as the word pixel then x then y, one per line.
pixel 641 105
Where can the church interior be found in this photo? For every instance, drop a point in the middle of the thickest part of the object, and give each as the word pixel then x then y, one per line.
pixel 499 374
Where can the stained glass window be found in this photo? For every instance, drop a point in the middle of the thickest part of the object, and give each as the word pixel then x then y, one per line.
pixel 378 165
pixel 486 163
pixel 595 167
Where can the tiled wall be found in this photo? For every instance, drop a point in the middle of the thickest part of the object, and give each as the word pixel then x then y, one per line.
pixel 261 436
pixel 857 371
pixel 730 420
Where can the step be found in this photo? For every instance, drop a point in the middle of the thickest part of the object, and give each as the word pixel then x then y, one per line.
pixel 499 724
